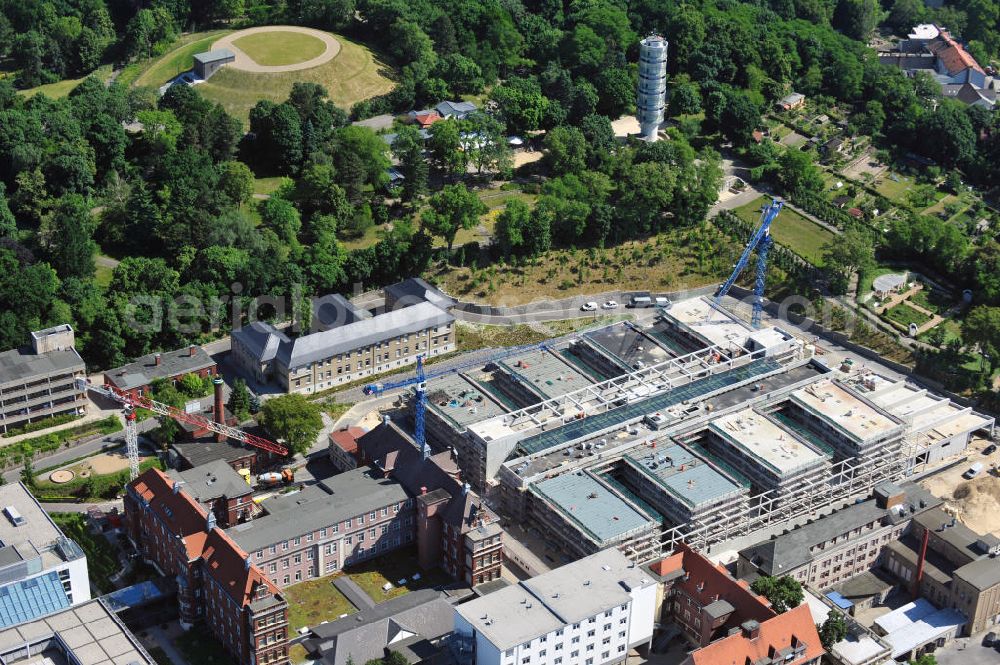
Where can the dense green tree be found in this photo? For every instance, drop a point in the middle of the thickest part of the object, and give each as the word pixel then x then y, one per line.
pixel 408 148
pixel 71 247
pixel 797 173
pixel 520 103
pixel 451 209
pixel 858 18
pixel 294 419
pixel 833 630
pixel 280 216
pixel 8 225
pixel 684 99
pixel 236 182
pixel 850 253
pixel 955 140
pixel 239 400
pixel 981 327
pixel 784 592
pixel 599 136
pixel 445 146
pixel 904 14
pixel 565 150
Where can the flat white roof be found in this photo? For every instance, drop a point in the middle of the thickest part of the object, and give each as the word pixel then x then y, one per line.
pixel 717 327
pixel 844 409
pixel 924 31
pixel 853 648
pixel 763 438
pixel 916 624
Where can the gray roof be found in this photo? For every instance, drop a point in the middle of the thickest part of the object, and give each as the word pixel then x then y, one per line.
pixel 963 539
pixel 982 574
pixel 421 615
pixel 18 365
pixel 261 339
pixel 220 54
pixel 549 601
pixel 448 108
pixel 206 450
pixel 310 348
pixel 334 309
pixel 36 534
pixel 295 514
pixel 685 476
pixel 143 371
pixel 211 481
pixel 593 506
pixel 416 290
pixel 788 551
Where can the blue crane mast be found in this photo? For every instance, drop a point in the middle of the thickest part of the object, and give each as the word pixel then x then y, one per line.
pixel 760 240
pixel 421 378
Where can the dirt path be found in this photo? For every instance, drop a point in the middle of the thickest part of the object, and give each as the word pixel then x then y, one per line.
pixel 246 63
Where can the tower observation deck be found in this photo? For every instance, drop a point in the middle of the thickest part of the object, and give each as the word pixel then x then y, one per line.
pixel 652 92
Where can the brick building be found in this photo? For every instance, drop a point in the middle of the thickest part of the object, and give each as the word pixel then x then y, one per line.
pixel 454 529
pixel 137 376
pixel 217 582
pixel 220 489
pixel 726 622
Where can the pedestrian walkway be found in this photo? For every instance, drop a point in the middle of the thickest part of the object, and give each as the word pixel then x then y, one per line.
pixel 354 593
pixel 93 414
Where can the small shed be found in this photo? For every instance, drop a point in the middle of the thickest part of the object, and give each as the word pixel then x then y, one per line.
pixel 792 101
pixel 884 285
pixel 209 62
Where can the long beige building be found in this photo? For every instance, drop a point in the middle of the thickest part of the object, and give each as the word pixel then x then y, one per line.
pixel 361 348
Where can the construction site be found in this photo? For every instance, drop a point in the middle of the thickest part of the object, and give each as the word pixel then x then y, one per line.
pixel 693 425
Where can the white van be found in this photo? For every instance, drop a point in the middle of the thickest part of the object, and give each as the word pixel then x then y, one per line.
pixel 973 471
pixel 662 302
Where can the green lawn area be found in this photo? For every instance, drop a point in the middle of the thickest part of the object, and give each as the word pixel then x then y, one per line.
pixel 314 601
pixel 62 88
pixel 353 75
pixel 267 185
pixel 157 71
pixel 373 575
pixel 272 49
pixel 792 230
pixel 952 330
pixel 200 647
pixel 930 300
pixel 891 189
pixel 905 315
pixel 942 201
pixel 102 561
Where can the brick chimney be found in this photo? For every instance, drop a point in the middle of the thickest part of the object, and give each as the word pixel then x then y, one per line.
pixel 220 408
pixel 192 350
pixel 157 359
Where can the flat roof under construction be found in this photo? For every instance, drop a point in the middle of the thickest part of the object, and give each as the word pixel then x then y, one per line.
pixel 684 475
pixel 583 427
pixel 701 317
pixel 763 439
pixel 593 506
pixel 629 346
pixel 546 373
pixel 844 410
pixel 460 401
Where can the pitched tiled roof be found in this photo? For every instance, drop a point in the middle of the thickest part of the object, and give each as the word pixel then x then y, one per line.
pixel 228 565
pixel 951 54
pixel 182 515
pixel 785 631
pixel 704 581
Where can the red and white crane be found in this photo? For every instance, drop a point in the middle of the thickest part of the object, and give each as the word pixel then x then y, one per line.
pixel 132 402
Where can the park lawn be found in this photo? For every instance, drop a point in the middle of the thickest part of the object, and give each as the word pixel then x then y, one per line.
pixel 930 300
pixel 157 71
pixel 371 236
pixel 313 601
pixel 952 331
pixel 791 230
pixel 60 89
pixel 267 185
pixel 905 315
pixel 102 560
pixel 353 75
pixel 942 200
pixel 390 568
pixel 272 49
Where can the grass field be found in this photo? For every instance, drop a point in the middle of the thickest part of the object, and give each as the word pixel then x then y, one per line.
pixel 62 88
pixel 905 315
pixel 390 568
pixel 891 189
pixel 267 185
pixel 315 600
pixel 272 49
pixel 157 71
pixel 353 75
pixel 792 230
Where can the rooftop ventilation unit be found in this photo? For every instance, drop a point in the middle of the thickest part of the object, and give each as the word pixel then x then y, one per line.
pixel 14 516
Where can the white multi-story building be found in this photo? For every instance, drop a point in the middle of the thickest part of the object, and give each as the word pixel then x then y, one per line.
pixel 41 570
pixel 589 612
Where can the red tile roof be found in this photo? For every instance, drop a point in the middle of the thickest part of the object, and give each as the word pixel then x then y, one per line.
pixel 669 565
pixel 792 628
pixel 704 581
pixel 183 515
pixel 226 563
pixel 951 54
pixel 347 439
pixel 427 119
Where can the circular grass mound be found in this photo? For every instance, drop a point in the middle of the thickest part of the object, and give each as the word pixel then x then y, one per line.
pixel 277 48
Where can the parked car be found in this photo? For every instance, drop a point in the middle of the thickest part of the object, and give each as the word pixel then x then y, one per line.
pixel 588 307
pixel 610 304
pixel 973 471
pixel 990 639
pixel 990 449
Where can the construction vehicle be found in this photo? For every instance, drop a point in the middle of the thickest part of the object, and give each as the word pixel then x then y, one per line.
pixel 273 478
pixel 420 381
pixel 760 241
pixel 131 402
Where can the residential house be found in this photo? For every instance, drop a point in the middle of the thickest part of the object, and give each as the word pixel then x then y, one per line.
pixel 137 377
pixel 791 102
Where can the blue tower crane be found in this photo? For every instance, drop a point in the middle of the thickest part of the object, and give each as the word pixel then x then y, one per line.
pixel 760 241
pixel 421 378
